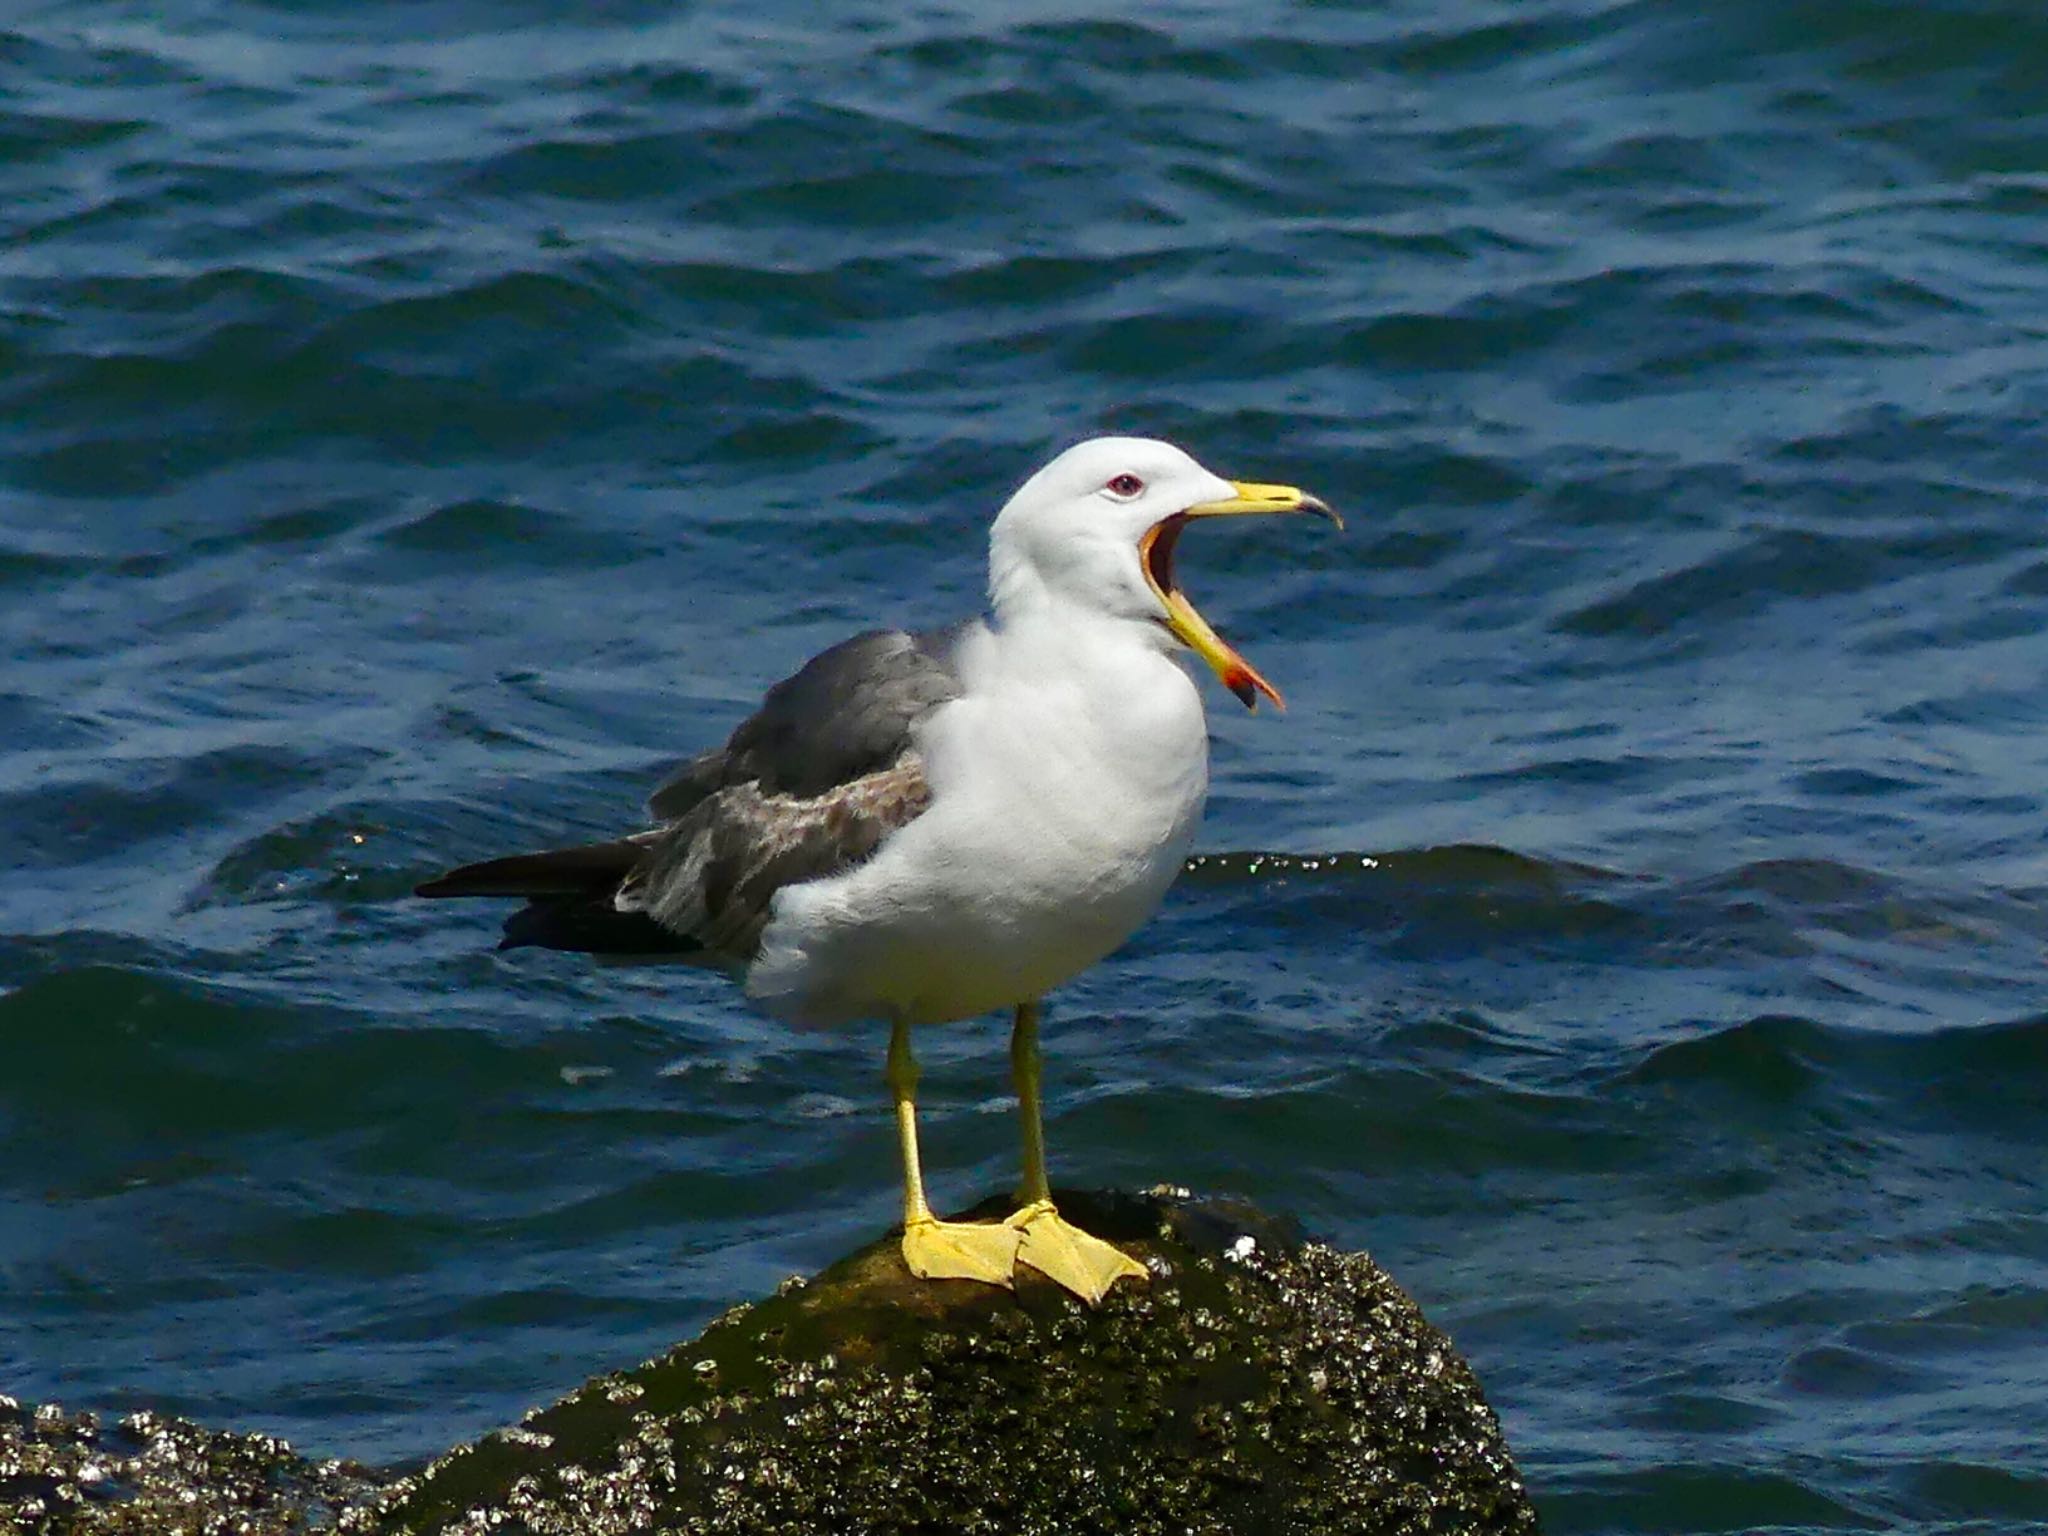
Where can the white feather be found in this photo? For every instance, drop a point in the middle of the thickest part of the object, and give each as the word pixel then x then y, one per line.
pixel 1067 779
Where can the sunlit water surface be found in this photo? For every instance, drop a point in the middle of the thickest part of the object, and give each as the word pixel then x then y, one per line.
pixel 419 426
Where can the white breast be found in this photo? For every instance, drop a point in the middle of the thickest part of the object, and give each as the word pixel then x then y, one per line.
pixel 1066 785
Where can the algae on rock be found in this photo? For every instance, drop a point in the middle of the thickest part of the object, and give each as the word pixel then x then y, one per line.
pixel 1255 1385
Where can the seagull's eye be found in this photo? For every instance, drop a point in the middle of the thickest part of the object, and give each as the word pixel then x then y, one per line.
pixel 1124 487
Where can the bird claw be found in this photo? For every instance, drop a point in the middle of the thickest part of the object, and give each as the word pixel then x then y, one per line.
pixel 1037 1237
pixel 1069 1257
pixel 962 1250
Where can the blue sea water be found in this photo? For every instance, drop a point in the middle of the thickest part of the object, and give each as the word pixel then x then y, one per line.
pixel 422 425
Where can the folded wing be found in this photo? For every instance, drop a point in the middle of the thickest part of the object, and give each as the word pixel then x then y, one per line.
pixel 808 785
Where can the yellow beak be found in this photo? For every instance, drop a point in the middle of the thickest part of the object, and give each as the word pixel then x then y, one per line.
pixel 1155 554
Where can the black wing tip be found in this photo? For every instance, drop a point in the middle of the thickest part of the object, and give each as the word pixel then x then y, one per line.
pixel 464 882
pixel 568 903
pixel 585 871
pixel 592 928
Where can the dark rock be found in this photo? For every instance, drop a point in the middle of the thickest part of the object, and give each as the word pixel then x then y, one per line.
pixel 1257 1384
pixel 149 1475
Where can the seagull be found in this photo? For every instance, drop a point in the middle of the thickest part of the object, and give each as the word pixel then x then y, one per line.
pixel 921 828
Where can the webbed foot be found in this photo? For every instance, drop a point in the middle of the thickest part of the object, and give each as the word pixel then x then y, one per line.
pixel 1069 1257
pixel 961 1250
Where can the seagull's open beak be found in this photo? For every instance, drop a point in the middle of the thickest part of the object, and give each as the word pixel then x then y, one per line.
pixel 1155 554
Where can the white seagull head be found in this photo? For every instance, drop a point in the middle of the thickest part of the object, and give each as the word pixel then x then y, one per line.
pixel 1095 530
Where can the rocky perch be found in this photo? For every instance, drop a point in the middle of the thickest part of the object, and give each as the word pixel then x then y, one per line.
pixel 1257 1384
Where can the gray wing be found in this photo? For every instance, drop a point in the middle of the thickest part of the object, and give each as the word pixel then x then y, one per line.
pixel 808 785
pixel 713 874
pixel 846 713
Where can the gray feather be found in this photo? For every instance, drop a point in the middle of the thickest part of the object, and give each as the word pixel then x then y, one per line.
pixel 807 786
pixel 846 713
pixel 714 874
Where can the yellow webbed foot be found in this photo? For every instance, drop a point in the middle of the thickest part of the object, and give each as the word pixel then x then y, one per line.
pixel 1066 1255
pixel 961 1250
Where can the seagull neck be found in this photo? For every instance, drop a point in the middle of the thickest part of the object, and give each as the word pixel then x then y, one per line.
pixel 1042 621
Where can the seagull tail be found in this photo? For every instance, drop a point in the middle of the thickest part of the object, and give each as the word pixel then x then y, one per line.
pixel 568 894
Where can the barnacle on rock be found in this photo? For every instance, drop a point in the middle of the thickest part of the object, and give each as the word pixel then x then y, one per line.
pixel 1258 1384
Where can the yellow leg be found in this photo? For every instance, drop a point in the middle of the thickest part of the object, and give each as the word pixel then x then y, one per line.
pixel 934 1249
pixel 1062 1252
